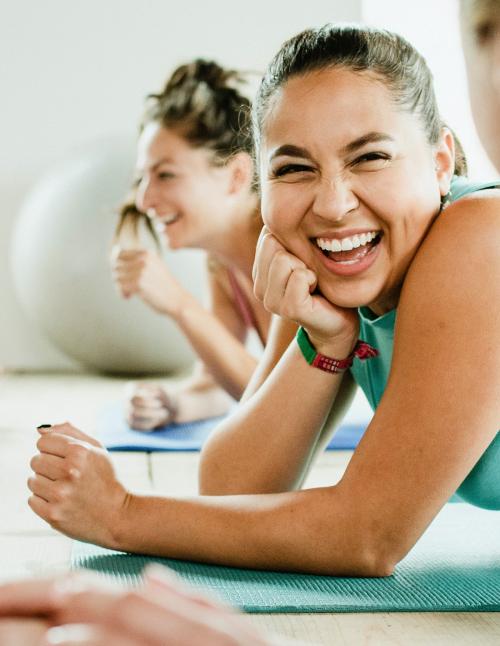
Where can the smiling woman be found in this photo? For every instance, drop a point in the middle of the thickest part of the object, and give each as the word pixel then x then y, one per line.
pixel 352 153
pixel 195 188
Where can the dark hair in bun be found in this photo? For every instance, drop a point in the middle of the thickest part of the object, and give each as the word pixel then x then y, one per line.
pixel 202 102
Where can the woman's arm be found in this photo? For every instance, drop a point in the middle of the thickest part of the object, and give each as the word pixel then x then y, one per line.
pixel 438 415
pixel 270 441
pixel 281 334
pixel 216 332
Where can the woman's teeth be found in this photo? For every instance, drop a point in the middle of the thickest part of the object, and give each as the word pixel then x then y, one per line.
pixel 160 224
pixel 348 243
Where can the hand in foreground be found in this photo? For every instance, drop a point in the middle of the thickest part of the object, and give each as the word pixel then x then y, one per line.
pixel 74 486
pixel 143 273
pixel 149 407
pixel 286 287
pixel 81 610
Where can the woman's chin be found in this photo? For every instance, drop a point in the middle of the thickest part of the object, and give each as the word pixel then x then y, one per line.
pixel 348 298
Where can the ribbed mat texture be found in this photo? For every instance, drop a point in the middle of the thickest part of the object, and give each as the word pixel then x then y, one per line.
pixel 454 567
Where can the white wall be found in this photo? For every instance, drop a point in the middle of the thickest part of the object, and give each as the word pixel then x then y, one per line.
pixel 75 70
pixel 433 27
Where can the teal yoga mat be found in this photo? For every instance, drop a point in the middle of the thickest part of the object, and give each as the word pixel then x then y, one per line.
pixel 454 567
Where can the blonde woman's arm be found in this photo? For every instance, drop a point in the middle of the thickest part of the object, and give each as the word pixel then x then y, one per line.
pixel 216 332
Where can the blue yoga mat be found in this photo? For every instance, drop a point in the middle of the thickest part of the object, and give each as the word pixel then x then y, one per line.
pixel 116 435
pixel 455 566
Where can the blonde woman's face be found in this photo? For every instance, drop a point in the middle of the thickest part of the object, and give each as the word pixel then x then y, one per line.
pixel 179 188
pixel 350 184
pixel 481 40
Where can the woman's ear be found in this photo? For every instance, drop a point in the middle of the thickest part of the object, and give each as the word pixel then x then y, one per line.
pixel 241 172
pixel 444 160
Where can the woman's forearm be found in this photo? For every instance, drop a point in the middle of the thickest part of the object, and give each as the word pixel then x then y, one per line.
pixel 267 444
pixel 306 531
pixel 223 354
pixel 200 397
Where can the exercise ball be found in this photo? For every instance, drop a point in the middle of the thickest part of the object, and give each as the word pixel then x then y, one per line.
pixel 60 263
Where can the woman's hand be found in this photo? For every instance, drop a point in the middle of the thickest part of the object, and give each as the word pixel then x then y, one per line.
pixel 22 632
pixel 143 273
pixel 287 287
pixel 74 485
pixel 149 406
pixel 85 611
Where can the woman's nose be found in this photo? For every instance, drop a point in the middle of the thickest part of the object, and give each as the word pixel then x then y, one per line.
pixel 334 199
pixel 145 198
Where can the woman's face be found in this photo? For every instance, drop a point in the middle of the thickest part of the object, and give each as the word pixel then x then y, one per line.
pixel 350 184
pixel 481 39
pixel 179 188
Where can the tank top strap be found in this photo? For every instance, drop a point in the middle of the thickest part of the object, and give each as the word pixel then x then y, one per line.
pixel 243 304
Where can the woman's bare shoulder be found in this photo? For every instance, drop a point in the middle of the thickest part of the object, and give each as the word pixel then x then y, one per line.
pixel 461 248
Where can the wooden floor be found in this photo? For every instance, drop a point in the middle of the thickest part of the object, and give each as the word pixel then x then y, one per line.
pixel 29 546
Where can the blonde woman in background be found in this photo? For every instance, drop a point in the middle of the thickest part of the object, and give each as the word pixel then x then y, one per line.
pixel 195 183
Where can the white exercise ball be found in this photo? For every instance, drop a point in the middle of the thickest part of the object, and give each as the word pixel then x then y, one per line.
pixel 60 263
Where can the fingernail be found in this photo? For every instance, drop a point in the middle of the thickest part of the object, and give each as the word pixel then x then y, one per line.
pixel 44 426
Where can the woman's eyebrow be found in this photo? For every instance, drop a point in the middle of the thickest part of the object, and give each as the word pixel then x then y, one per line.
pixel 369 138
pixel 163 160
pixel 290 151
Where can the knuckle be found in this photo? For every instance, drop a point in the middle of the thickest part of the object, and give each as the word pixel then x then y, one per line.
pixel 53 517
pixel 77 453
pixel 125 605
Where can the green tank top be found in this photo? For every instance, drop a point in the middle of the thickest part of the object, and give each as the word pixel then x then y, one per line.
pixel 482 485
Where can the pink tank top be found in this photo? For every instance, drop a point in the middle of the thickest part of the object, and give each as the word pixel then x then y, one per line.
pixel 244 307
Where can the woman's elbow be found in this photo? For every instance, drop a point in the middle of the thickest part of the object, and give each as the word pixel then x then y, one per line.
pixel 210 472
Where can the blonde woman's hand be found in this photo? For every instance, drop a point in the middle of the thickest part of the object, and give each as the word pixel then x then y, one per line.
pixel 149 406
pixel 143 273
pixel 286 287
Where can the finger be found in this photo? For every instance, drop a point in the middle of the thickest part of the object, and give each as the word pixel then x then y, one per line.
pixel 262 234
pixel 86 635
pixel 55 444
pixel 146 401
pixel 50 466
pixel 148 423
pixel 27 598
pixel 298 292
pixel 280 270
pixel 269 247
pixel 68 430
pixel 127 255
pixel 40 506
pixel 127 273
pixel 148 415
pixel 22 632
pixel 42 487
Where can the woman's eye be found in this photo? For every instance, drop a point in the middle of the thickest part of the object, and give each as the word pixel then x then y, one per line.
pixel 290 169
pixel 372 161
pixel 485 31
pixel 165 176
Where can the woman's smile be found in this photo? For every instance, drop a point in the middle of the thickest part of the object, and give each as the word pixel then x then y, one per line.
pixel 349 254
